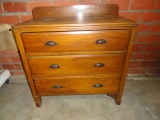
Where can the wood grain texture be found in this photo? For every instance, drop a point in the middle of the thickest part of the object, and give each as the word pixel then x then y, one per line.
pixel 73 65
pixel 127 60
pixel 36 98
pixel 77 11
pixel 78 17
pixel 60 56
pixel 76 53
pixel 77 85
pixel 67 24
pixel 76 41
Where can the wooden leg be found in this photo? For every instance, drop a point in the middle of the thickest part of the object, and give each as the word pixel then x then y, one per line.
pixel 38 105
pixel 114 96
pixel 38 101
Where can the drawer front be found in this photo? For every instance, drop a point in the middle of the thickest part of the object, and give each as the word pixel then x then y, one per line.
pixel 77 85
pixel 73 65
pixel 76 41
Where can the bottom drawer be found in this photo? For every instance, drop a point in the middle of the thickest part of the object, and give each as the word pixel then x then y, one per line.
pixel 77 85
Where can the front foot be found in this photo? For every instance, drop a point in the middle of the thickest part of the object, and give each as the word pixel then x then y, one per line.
pixel 38 105
pixel 118 101
pixel 114 96
pixel 38 101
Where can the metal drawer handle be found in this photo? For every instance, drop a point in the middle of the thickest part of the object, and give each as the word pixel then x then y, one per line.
pixel 98 85
pixel 57 86
pixel 54 66
pixel 99 65
pixel 51 43
pixel 101 41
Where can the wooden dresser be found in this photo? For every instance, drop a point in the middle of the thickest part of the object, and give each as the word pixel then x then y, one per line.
pixel 80 49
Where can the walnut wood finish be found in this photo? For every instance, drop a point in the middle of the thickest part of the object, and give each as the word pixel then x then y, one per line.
pixel 82 49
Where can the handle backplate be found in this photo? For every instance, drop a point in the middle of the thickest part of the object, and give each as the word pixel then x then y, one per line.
pixel 99 65
pixel 97 85
pixel 101 41
pixel 51 43
pixel 57 86
pixel 54 66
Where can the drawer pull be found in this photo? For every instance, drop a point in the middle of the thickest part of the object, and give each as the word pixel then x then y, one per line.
pixel 98 85
pixel 99 65
pixel 54 66
pixel 51 43
pixel 101 41
pixel 57 86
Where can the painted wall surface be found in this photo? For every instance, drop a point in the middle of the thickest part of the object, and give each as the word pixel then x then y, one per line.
pixel 146 50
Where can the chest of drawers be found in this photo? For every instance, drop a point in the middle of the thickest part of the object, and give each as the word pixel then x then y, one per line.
pixel 80 49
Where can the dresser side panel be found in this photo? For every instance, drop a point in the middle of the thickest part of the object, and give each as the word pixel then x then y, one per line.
pixel 18 39
pixel 126 60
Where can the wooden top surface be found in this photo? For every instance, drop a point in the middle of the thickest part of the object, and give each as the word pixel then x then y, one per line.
pixel 71 22
pixel 75 16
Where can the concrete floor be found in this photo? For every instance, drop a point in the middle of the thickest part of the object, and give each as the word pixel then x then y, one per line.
pixel 141 101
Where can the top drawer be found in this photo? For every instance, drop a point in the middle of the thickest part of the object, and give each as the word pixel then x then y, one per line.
pixel 110 40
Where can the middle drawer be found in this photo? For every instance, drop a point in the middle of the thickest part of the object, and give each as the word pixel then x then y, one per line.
pixel 74 65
